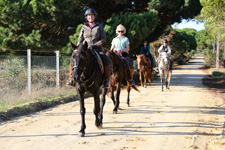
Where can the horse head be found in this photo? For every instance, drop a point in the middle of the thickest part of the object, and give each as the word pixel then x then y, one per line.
pixel 141 60
pixel 112 56
pixel 78 60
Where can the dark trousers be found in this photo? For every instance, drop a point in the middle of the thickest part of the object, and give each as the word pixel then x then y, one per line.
pixel 125 55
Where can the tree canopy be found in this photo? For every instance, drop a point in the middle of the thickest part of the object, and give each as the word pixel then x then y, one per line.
pixel 42 24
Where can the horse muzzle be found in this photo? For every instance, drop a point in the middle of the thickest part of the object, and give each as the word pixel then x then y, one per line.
pixel 77 73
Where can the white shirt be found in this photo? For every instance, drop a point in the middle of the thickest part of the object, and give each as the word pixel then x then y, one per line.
pixel 165 49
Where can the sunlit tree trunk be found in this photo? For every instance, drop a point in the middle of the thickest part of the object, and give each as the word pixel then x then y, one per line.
pixel 214 45
pixel 217 54
pixel 224 55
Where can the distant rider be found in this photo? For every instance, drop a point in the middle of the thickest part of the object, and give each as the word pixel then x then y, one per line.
pixel 165 48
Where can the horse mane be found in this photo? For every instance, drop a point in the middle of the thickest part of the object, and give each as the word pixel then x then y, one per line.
pixel 144 58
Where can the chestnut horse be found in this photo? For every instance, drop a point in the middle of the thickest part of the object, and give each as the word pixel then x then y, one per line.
pixel 117 78
pixel 88 78
pixel 145 69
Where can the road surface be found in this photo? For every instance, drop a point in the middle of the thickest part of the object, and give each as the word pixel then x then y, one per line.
pixel 186 117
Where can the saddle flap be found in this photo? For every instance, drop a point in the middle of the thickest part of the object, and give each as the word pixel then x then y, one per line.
pixel 99 60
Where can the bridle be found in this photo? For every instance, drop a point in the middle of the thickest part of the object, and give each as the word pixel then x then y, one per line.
pixel 82 78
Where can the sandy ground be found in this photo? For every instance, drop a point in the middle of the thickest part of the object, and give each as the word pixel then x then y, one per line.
pixel 186 117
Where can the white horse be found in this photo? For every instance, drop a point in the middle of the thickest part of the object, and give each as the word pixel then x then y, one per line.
pixel 164 69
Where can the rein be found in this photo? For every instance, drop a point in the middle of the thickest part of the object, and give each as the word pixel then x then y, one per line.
pixel 89 79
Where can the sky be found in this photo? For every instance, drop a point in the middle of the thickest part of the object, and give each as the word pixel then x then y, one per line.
pixel 189 24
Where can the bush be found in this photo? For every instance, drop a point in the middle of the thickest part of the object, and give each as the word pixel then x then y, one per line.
pixel 13 74
pixel 210 58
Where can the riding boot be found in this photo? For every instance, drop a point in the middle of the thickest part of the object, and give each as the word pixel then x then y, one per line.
pixel 107 75
pixel 132 82
pixel 70 81
pixel 171 64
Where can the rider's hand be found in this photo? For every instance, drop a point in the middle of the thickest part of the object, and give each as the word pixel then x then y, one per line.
pixel 93 46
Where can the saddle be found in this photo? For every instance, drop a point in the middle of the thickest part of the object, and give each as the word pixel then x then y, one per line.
pixel 99 60
pixel 125 63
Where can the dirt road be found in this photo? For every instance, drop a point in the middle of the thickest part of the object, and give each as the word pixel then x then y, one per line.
pixel 186 117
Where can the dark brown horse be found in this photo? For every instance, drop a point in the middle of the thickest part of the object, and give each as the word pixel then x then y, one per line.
pixel 117 78
pixel 145 69
pixel 88 78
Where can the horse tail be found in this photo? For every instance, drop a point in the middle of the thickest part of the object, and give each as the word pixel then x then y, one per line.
pixel 136 89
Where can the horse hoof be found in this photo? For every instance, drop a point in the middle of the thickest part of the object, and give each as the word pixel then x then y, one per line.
pixel 128 105
pixel 114 112
pixel 145 86
pixel 99 127
pixel 81 134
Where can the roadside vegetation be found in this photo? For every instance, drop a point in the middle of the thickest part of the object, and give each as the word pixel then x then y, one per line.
pixel 47 26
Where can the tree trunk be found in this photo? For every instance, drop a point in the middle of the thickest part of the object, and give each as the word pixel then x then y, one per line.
pixel 224 55
pixel 217 54
pixel 214 45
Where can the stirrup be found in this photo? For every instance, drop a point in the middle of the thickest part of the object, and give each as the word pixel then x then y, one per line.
pixel 70 82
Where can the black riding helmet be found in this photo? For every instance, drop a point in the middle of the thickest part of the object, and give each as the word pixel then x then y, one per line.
pixel 165 41
pixel 90 11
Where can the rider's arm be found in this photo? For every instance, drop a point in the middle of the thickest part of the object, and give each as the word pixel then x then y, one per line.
pixel 81 36
pixel 112 47
pixel 169 50
pixel 148 47
pixel 160 49
pixel 141 50
pixel 127 49
pixel 103 37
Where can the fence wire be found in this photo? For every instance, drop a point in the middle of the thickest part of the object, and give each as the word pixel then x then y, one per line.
pixel 13 76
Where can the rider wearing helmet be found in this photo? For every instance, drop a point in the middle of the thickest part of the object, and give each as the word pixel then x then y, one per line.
pixel 93 33
pixel 166 48
pixel 145 49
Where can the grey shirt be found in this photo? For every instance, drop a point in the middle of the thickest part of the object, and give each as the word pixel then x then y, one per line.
pixel 92 35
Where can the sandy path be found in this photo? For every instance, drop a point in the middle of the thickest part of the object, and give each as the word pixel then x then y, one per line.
pixel 187 117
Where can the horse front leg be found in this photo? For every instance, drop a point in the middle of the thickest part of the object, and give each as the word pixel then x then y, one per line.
pixel 161 77
pixel 145 78
pixel 97 108
pixel 80 94
pixel 168 79
pixel 102 104
pixel 140 77
pixel 128 94
pixel 150 75
pixel 112 93
pixel 116 107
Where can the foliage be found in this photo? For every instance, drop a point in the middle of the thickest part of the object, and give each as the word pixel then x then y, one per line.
pixel 183 44
pixel 41 24
pixel 203 40
pixel 210 57
pixel 137 27
pixel 10 76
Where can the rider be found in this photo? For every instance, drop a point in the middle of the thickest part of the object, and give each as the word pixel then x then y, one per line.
pixel 145 49
pixel 121 46
pixel 93 33
pixel 166 48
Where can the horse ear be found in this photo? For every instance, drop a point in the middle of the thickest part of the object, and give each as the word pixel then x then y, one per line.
pixel 111 51
pixel 136 55
pixel 73 46
pixel 85 46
